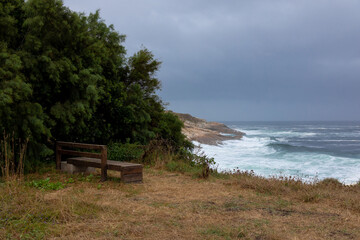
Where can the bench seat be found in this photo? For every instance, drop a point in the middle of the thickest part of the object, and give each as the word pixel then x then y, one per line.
pixel 130 172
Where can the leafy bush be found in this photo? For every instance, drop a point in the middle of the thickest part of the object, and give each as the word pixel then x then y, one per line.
pixel 161 153
pixel 125 152
pixel 205 163
pixel 199 160
pixel 45 184
pixel 65 76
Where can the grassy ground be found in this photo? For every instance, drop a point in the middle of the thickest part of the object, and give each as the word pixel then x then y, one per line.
pixel 170 205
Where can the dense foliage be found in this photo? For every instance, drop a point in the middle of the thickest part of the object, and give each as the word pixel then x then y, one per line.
pixel 65 76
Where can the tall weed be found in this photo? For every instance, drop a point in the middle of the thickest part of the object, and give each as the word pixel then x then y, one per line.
pixel 12 156
pixel 161 154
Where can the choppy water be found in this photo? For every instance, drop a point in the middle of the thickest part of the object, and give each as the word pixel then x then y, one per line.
pixel 310 150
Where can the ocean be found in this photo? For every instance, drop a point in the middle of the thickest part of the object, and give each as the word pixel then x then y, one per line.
pixel 310 151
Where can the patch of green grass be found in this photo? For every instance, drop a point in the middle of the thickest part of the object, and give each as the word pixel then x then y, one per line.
pixel 179 166
pixel 132 191
pixel 184 167
pixel 234 206
pixel 216 231
pixel 29 226
pixel 281 203
pixel 45 184
pixel 85 178
pixel 86 210
pixel 260 222
pixel 70 180
pixel 241 233
pixel 263 192
pixel 204 206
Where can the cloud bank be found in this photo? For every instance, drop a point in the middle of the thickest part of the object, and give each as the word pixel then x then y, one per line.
pixel 247 60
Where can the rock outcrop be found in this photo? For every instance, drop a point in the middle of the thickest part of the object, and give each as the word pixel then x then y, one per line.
pixel 202 131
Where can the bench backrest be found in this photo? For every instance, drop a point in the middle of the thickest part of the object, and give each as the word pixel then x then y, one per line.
pixel 102 155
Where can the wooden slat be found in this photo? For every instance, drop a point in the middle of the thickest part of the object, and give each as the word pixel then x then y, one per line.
pixel 126 169
pixel 79 161
pixel 81 154
pixel 120 166
pixel 80 145
pixel 131 170
pixel 111 165
pixel 131 178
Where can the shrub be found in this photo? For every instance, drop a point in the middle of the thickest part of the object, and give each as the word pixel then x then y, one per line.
pixel 45 184
pixel 161 153
pixel 331 182
pixel 205 163
pixel 65 76
pixel 179 166
pixel 158 152
pixel 125 152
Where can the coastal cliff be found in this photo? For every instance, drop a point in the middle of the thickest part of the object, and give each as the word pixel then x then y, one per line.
pixel 202 131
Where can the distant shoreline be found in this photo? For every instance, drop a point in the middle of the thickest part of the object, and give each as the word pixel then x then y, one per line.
pixel 204 132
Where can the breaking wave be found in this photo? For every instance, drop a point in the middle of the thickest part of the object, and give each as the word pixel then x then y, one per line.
pixel 308 152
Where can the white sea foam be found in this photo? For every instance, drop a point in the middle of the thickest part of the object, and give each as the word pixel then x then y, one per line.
pixel 277 133
pixel 253 152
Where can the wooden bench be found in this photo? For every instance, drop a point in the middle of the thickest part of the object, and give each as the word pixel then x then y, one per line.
pixel 130 172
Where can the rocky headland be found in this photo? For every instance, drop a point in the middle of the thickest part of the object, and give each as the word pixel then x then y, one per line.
pixel 202 131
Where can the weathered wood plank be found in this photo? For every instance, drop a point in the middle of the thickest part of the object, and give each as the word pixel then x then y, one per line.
pixel 111 165
pixel 130 172
pixel 131 178
pixel 81 154
pixel 80 145
pixel 78 161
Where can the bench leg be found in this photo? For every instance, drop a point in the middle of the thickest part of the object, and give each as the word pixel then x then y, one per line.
pixel 103 163
pixel 103 174
pixel 127 177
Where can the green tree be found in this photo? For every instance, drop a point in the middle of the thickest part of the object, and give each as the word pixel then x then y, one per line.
pixel 66 76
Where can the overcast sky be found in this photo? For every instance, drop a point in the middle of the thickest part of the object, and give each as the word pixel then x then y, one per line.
pixel 247 60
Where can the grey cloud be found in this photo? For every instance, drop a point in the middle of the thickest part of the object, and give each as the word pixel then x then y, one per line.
pixel 247 60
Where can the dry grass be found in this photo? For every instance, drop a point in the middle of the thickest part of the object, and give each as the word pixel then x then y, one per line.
pixel 176 206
